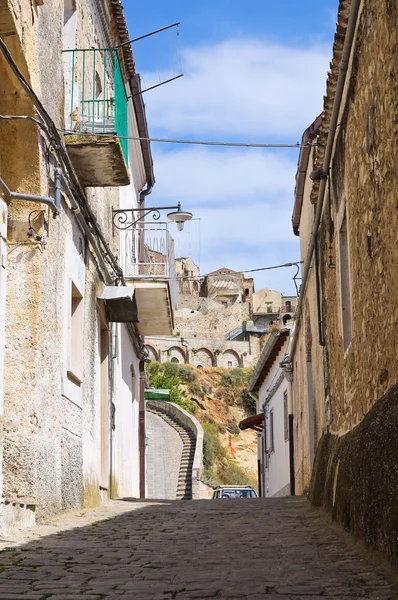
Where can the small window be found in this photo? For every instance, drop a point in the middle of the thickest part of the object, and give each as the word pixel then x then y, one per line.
pixel 229 364
pixel 247 292
pixel 285 416
pixel 271 432
pixel 288 306
pixel 75 371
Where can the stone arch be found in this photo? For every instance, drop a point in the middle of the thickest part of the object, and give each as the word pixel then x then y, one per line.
pixel 177 352
pixel 152 351
pixel 203 357
pixel 287 317
pixel 230 359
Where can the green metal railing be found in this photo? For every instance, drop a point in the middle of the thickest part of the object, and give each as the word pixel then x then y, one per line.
pixel 96 99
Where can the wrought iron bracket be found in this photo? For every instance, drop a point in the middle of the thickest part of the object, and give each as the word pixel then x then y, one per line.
pixel 122 221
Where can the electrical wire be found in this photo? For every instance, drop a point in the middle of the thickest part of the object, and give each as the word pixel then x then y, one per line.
pixel 104 254
pixel 193 142
pixel 25 117
pixel 290 264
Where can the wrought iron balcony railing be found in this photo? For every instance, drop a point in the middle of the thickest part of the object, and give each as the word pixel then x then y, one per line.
pixel 95 95
pixel 149 254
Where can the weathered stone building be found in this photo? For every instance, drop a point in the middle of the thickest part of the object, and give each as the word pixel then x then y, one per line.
pixel 343 349
pixel 227 329
pixel 72 314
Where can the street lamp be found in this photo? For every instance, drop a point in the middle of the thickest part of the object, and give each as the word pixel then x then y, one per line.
pixel 122 221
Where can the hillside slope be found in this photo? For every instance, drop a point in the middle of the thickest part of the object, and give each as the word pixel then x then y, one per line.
pixel 214 396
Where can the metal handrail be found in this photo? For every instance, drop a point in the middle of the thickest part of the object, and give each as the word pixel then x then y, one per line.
pixel 96 99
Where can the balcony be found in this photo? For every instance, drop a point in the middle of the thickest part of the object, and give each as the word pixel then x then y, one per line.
pixel 149 267
pixel 96 117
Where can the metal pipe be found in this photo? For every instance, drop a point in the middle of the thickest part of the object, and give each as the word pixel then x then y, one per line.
pixel 291 457
pixel 29 198
pixel 57 182
pixel 142 37
pixel 343 67
pixel 142 432
pixel 111 382
pixel 63 154
pixel 321 339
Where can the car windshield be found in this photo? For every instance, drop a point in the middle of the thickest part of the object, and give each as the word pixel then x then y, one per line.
pixel 238 493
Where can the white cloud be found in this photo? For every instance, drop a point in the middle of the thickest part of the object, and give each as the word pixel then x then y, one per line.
pixel 242 87
pixel 199 176
pixel 249 236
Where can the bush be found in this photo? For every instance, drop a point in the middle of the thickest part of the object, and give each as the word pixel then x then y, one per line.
pixel 187 373
pixel 248 403
pixel 232 427
pixel 234 378
pixel 196 389
pixel 165 376
pixel 229 473
pixel 212 448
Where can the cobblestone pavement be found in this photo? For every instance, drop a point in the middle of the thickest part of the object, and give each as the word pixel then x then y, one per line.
pixel 183 550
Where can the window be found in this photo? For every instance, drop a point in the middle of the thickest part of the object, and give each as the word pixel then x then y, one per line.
pixel 285 415
pixel 247 291
pixel 288 305
pixel 271 431
pixel 345 285
pixel 229 364
pixel 75 371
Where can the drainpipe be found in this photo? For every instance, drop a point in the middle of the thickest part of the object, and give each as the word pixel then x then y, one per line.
pixel 139 109
pixel 141 430
pixel 289 377
pixel 111 383
pixel 265 454
pixel 343 67
pixel 287 369
pixel 55 205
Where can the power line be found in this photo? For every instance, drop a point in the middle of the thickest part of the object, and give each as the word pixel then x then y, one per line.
pixel 290 264
pixel 193 142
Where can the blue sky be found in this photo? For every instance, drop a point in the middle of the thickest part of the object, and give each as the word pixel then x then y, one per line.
pixel 253 72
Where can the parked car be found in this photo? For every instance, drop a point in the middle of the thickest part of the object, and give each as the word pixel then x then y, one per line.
pixel 230 491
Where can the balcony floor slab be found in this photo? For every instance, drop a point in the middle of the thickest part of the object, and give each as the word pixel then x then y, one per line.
pixel 155 313
pixel 98 160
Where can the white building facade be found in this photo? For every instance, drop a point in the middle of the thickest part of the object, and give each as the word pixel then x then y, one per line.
pixel 274 420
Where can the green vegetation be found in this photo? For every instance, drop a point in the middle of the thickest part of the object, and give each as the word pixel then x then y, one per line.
pixel 172 376
pixel 233 386
pixel 248 403
pixel 219 469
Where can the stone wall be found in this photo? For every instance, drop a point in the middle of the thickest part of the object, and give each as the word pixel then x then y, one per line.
pixel 361 373
pixel 200 352
pixel 358 280
pixel 207 318
pixel 51 422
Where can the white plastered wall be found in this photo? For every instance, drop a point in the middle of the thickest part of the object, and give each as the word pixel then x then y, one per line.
pixel 125 435
pixel 277 474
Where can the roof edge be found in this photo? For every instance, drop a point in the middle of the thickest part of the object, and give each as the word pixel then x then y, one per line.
pixel 264 356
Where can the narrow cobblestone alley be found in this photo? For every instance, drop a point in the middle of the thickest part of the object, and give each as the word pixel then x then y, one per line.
pixel 273 549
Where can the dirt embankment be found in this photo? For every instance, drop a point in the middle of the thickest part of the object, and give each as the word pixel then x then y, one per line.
pixel 219 404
